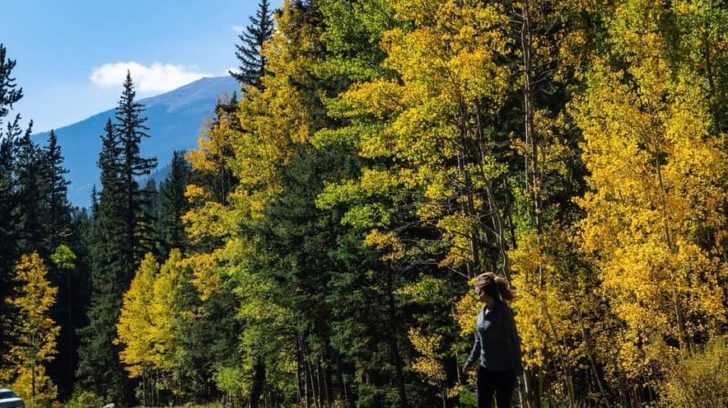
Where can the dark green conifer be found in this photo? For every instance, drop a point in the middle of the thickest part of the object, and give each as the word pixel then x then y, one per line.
pixel 58 206
pixel 9 92
pixel 58 232
pixel 99 368
pixel 146 234
pixel 30 210
pixel 173 205
pixel 120 232
pixel 252 62
pixel 130 130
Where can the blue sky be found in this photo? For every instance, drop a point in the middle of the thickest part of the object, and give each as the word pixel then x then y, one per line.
pixel 71 54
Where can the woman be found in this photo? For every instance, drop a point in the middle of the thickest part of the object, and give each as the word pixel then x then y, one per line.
pixel 496 343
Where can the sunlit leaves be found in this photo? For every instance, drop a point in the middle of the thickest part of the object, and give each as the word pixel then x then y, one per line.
pixel 34 336
pixel 656 175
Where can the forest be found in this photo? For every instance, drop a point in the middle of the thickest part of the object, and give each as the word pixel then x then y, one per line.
pixel 318 247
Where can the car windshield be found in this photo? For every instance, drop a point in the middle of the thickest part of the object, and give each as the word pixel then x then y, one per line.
pixel 7 394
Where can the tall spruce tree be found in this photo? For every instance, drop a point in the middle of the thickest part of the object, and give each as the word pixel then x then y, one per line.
pixel 252 62
pixel 130 130
pixel 59 213
pixel 99 369
pixel 58 234
pixel 30 210
pixel 173 205
pixel 121 228
pixel 77 301
pixel 146 231
pixel 9 94
pixel 6 203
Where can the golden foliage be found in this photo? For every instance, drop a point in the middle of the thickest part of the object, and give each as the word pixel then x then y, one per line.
pixel 134 328
pixel 657 187
pixel 34 334
pixel 427 364
pixel 545 311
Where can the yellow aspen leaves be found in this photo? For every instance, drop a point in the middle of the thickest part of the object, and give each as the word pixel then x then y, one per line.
pixel 656 178
pixel 34 333
pixel 135 323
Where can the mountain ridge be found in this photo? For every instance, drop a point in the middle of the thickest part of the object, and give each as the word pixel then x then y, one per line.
pixel 174 118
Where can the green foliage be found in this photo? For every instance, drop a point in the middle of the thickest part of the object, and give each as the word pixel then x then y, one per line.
pixel 84 399
pixel 173 205
pixel 230 380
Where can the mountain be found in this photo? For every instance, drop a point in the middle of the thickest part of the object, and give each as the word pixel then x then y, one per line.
pixel 174 119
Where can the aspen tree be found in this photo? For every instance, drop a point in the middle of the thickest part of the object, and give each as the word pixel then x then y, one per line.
pixel 657 185
pixel 35 333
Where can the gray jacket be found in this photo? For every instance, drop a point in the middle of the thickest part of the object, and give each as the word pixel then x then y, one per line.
pixel 496 340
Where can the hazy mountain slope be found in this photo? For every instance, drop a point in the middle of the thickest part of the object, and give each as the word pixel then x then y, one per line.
pixel 174 120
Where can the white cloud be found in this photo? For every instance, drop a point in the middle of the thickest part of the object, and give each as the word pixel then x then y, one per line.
pixel 155 78
pixel 237 29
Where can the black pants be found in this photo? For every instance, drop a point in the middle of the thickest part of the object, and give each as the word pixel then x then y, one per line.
pixel 500 383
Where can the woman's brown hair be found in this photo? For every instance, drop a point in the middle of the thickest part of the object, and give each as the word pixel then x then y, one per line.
pixel 494 286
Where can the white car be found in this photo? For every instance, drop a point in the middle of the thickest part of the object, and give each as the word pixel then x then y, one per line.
pixel 8 399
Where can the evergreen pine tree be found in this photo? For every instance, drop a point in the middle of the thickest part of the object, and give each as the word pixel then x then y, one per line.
pixel 7 232
pixel 130 130
pixel 9 94
pixel 146 233
pixel 121 231
pixel 173 205
pixel 6 203
pixel 252 62
pixel 99 369
pixel 30 210
pixel 77 300
pixel 56 223
pixel 58 206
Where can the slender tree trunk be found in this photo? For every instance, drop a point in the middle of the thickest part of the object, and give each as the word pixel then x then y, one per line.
pixel 683 339
pixel 469 207
pixel 394 346
pixel 493 209
pixel 312 383
pixel 69 297
pixel 532 169
pixel 710 74
pixel 299 387
pixel 592 362
pixel 326 377
pixel 144 387
pixel 531 162
pixel 469 265
pixel 305 386
pixel 342 378
pixel 319 387
pixel 258 382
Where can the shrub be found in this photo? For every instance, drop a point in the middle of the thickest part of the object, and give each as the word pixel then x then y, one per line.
pixel 85 399
pixel 700 379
